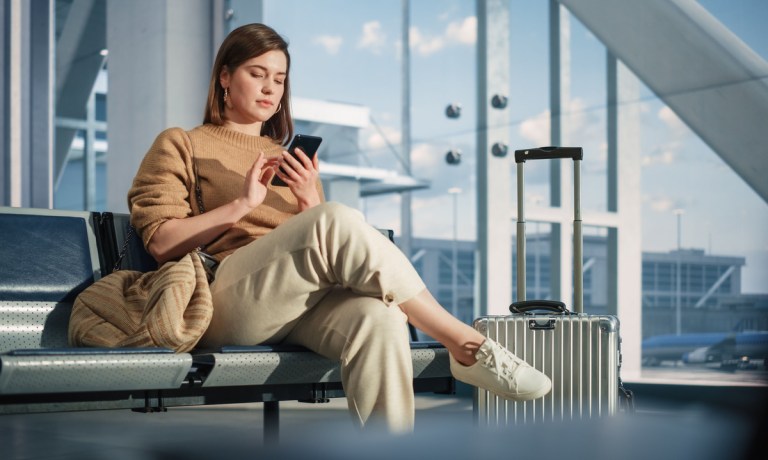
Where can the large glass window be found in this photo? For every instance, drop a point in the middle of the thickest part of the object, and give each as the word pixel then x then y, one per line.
pixel 678 169
pixel 529 99
pixel 585 113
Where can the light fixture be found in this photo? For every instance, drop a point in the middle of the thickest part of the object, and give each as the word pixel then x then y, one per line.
pixel 499 149
pixel 453 110
pixel 453 157
pixel 499 101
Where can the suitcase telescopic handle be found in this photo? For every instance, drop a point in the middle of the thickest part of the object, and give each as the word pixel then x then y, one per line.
pixel 549 153
pixel 524 306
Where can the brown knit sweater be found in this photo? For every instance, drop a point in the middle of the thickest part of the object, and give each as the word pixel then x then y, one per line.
pixel 163 188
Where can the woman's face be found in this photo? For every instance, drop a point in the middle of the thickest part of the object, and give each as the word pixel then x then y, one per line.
pixel 255 88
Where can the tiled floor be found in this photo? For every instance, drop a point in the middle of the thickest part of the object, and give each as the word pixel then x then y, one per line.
pixel 444 430
pixel 232 431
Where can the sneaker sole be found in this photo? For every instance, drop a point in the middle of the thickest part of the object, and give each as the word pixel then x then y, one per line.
pixel 541 392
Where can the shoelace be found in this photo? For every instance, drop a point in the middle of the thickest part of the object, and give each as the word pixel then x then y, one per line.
pixel 495 362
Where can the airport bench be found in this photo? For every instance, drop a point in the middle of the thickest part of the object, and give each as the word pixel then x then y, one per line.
pixel 47 257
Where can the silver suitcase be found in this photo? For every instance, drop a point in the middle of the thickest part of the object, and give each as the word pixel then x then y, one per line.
pixel 579 352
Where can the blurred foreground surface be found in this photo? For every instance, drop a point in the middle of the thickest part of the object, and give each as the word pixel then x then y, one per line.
pixel 444 430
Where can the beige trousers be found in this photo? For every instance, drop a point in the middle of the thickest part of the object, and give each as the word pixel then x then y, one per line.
pixel 327 280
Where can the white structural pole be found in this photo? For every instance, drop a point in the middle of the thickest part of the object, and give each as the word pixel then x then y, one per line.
pixel 15 105
pixel 494 198
pixel 624 202
pixel 159 65
pixel 406 226
pixel 26 101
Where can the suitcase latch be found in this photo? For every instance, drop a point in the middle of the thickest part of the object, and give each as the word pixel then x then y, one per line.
pixel 539 324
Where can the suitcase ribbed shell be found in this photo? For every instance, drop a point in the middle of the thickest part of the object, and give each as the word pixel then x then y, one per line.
pixel 579 352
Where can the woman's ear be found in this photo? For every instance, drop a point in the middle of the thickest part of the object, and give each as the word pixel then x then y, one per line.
pixel 224 77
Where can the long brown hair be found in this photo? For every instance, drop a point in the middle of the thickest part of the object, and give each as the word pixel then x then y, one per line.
pixel 244 43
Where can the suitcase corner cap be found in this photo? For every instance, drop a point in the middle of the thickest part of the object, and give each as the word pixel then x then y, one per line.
pixel 609 324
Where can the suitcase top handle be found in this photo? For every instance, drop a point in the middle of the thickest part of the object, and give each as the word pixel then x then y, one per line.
pixel 525 306
pixel 549 153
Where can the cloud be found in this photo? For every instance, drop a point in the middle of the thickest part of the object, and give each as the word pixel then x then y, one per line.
pixel 661 203
pixel 425 157
pixel 424 45
pixel 373 37
pixel 664 155
pixel 537 129
pixel 331 43
pixel 462 32
pixel 603 152
pixel 669 151
pixel 576 119
pixel 672 121
pixel 378 138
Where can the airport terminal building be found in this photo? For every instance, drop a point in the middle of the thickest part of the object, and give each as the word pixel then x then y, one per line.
pixel 709 292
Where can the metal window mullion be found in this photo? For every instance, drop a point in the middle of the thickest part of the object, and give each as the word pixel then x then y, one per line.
pixel 89 156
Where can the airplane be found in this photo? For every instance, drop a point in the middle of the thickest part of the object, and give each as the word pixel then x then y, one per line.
pixel 729 349
pixel 735 351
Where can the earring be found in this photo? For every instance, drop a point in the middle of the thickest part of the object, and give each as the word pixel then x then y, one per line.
pixel 226 95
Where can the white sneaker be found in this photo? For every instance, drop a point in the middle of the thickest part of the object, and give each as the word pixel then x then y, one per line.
pixel 502 373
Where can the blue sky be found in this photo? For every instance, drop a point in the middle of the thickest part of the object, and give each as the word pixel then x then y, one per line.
pixel 349 51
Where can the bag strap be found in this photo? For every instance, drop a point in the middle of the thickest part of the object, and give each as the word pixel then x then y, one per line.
pixel 124 249
pixel 627 400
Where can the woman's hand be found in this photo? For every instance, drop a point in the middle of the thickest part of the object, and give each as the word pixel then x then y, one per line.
pixel 176 237
pixel 256 180
pixel 301 176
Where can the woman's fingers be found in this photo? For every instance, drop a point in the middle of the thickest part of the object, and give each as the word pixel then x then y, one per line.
pixel 257 170
pixel 263 168
pixel 257 178
pixel 304 159
pixel 294 167
pixel 298 168
pixel 267 174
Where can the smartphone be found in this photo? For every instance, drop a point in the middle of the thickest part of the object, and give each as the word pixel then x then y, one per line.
pixel 307 144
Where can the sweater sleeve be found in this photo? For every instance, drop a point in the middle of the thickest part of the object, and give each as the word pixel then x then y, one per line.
pixel 162 187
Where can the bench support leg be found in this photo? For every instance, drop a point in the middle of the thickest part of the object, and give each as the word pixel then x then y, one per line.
pixel 271 422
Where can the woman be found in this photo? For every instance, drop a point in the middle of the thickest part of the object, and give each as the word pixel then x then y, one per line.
pixel 293 269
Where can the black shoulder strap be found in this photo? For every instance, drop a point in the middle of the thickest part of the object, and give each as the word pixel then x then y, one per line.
pixel 124 249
